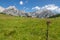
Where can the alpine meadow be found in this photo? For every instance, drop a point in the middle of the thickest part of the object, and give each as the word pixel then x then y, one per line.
pixel 23 28
pixel 29 19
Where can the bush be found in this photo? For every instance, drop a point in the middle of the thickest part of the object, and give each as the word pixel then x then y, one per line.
pixel 2 13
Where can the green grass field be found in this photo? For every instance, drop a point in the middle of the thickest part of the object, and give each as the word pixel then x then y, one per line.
pixel 23 28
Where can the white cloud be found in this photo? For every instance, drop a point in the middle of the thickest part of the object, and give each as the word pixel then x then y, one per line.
pixel 36 8
pixel 1 9
pixel 25 8
pixel 21 3
pixel 50 7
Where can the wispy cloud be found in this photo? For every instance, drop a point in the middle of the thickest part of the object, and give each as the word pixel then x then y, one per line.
pixel 25 8
pixel 51 7
pixel 36 8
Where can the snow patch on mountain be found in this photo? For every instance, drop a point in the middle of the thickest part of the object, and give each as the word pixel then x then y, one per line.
pixel 1 9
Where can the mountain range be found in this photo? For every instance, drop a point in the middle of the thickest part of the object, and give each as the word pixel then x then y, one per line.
pixel 42 13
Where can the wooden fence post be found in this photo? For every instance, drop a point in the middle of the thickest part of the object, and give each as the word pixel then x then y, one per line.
pixel 47 30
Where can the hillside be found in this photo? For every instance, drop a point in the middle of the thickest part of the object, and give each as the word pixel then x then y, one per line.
pixel 57 15
pixel 23 28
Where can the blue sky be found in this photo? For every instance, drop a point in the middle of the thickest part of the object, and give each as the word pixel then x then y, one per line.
pixel 27 4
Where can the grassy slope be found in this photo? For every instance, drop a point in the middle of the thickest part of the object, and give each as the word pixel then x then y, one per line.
pixel 23 28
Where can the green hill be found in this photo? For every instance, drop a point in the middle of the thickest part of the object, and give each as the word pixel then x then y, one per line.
pixel 23 28
pixel 57 15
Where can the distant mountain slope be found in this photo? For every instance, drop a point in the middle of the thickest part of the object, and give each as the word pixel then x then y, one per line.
pixel 14 11
pixel 44 13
